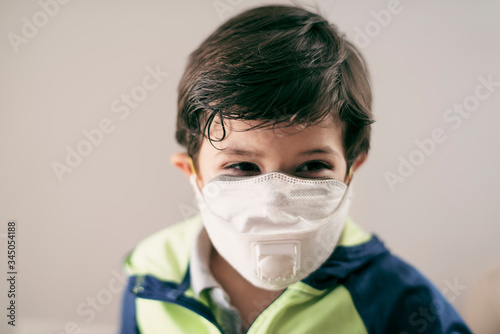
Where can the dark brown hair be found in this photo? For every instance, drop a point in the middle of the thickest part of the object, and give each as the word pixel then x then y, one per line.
pixel 276 65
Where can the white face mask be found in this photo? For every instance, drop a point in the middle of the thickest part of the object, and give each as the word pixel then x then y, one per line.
pixel 274 229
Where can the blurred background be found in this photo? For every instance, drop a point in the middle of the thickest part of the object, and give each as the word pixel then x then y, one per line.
pixel 87 121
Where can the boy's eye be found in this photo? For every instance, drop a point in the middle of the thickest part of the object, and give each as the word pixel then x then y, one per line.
pixel 249 169
pixel 313 166
pixel 243 168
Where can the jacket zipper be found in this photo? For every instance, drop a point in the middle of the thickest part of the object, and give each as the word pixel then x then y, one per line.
pixel 260 314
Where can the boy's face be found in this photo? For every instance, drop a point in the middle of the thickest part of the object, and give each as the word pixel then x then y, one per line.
pixel 314 152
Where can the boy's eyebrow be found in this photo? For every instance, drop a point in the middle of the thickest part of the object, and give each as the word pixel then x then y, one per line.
pixel 324 150
pixel 240 151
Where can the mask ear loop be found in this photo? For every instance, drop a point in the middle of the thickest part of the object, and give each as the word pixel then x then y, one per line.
pixel 193 178
pixel 191 164
pixel 346 195
pixel 350 175
pixel 198 192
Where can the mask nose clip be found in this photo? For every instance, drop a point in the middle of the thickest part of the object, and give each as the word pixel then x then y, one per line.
pixel 276 260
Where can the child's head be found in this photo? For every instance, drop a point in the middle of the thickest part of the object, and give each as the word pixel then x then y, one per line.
pixel 274 88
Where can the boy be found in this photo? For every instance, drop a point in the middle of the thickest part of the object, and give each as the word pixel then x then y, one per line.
pixel 274 109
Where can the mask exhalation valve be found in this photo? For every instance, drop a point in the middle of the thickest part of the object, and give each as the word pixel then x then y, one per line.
pixel 276 260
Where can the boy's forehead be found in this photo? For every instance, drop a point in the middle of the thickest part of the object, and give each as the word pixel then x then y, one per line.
pixel 279 129
pixel 242 132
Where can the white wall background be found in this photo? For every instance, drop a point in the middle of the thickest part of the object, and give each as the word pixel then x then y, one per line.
pixel 73 235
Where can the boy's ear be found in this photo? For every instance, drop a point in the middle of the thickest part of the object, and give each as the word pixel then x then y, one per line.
pixel 358 162
pixel 355 165
pixel 181 161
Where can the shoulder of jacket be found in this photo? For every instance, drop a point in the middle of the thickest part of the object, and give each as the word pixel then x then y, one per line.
pixel 164 254
pixel 392 292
